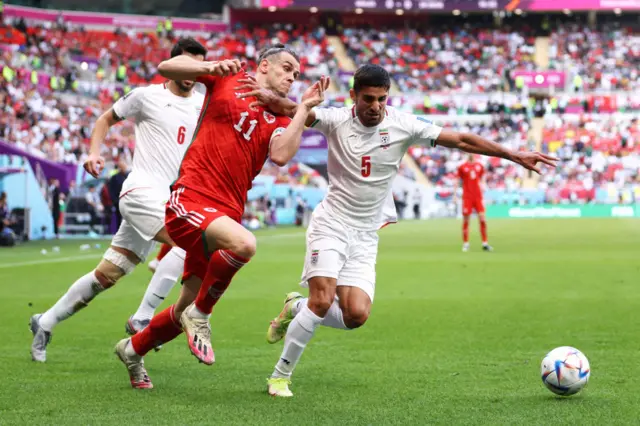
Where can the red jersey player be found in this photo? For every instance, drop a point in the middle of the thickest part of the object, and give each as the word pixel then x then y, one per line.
pixel 232 142
pixel 471 173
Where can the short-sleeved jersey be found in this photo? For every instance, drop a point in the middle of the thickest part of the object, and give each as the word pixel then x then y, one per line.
pixel 164 125
pixel 230 146
pixel 363 162
pixel 471 174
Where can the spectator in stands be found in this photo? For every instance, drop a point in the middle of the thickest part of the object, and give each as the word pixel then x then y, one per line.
pixel 417 202
pixel 301 207
pixel 73 191
pixel 4 211
pixel 7 236
pixel 107 205
pixel 56 198
pixel 115 187
pixel 95 207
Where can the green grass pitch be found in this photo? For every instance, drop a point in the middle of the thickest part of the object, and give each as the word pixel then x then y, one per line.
pixel 454 338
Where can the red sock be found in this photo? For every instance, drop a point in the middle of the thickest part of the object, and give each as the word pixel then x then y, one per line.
pixel 465 231
pixel 164 249
pixel 223 265
pixel 483 230
pixel 163 328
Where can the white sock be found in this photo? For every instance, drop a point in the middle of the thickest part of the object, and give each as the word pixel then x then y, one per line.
pixel 298 305
pixel 299 334
pixel 333 318
pixel 194 312
pixel 168 272
pixel 130 352
pixel 76 298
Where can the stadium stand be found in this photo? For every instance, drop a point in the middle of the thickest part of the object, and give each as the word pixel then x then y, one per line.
pixel 445 71
pixel 463 59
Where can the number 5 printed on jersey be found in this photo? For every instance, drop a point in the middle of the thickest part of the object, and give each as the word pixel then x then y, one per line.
pixel 239 125
pixel 366 166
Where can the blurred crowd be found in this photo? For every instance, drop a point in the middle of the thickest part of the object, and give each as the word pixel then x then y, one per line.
pixel 608 59
pixel 49 127
pixel 462 59
pixel 47 68
pixel 599 160
pixel 440 165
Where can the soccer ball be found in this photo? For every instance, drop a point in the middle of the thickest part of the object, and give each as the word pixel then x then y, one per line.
pixel 565 371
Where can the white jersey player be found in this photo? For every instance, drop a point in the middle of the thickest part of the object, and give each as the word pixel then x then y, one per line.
pixel 165 119
pixel 366 145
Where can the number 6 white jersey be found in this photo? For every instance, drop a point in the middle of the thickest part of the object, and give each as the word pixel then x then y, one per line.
pixel 363 161
pixel 164 126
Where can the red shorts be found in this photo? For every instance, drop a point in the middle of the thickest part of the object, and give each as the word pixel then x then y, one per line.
pixel 188 214
pixel 469 205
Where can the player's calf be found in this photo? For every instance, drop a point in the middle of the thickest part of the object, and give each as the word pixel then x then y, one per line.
pixel 113 266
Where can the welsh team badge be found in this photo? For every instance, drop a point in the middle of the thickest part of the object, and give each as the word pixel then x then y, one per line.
pixel 269 118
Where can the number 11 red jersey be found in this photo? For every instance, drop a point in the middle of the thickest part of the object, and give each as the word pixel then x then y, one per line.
pixel 471 174
pixel 230 145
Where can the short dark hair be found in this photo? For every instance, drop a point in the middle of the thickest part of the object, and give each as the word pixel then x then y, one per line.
pixel 275 50
pixel 188 45
pixel 371 76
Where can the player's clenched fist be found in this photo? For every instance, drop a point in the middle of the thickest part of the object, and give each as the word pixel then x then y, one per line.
pixel 225 67
pixel 94 165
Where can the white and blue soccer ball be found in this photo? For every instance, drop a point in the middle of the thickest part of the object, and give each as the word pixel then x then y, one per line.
pixel 565 371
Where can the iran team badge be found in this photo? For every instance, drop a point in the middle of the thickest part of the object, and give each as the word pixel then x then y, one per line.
pixel 314 256
pixel 384 139
pixel 269 118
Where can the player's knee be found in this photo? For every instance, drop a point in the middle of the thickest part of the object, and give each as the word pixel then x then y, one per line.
pixel 108 274
pixel 320 304
pixel 321 299
pixel 112 267
pixel 356 316
pixel 245 245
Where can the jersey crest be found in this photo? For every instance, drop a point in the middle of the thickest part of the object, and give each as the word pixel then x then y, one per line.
pixel 384 138
pixel 269 118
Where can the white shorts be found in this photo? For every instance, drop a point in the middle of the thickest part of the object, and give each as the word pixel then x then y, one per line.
pixel 128 238
pixel 336 251
pixel 144 209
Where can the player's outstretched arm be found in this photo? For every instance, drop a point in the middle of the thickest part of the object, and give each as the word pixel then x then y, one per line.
pixel 285 146
pixel 475 144
pixel 275 103
pixel 184 67
pixel 95 163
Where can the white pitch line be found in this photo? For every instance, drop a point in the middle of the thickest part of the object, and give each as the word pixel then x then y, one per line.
pixel 96 255
pixel 45 261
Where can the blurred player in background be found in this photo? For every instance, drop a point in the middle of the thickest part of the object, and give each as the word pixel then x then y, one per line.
pixel 471 173
pixel 366 145
pixel 165 118
pixel 230 147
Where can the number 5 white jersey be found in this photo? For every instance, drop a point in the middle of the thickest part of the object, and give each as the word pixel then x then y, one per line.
pixel 164 126
pixel 363 161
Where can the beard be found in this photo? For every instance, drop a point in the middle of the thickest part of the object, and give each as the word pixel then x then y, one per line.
pixel 184 87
